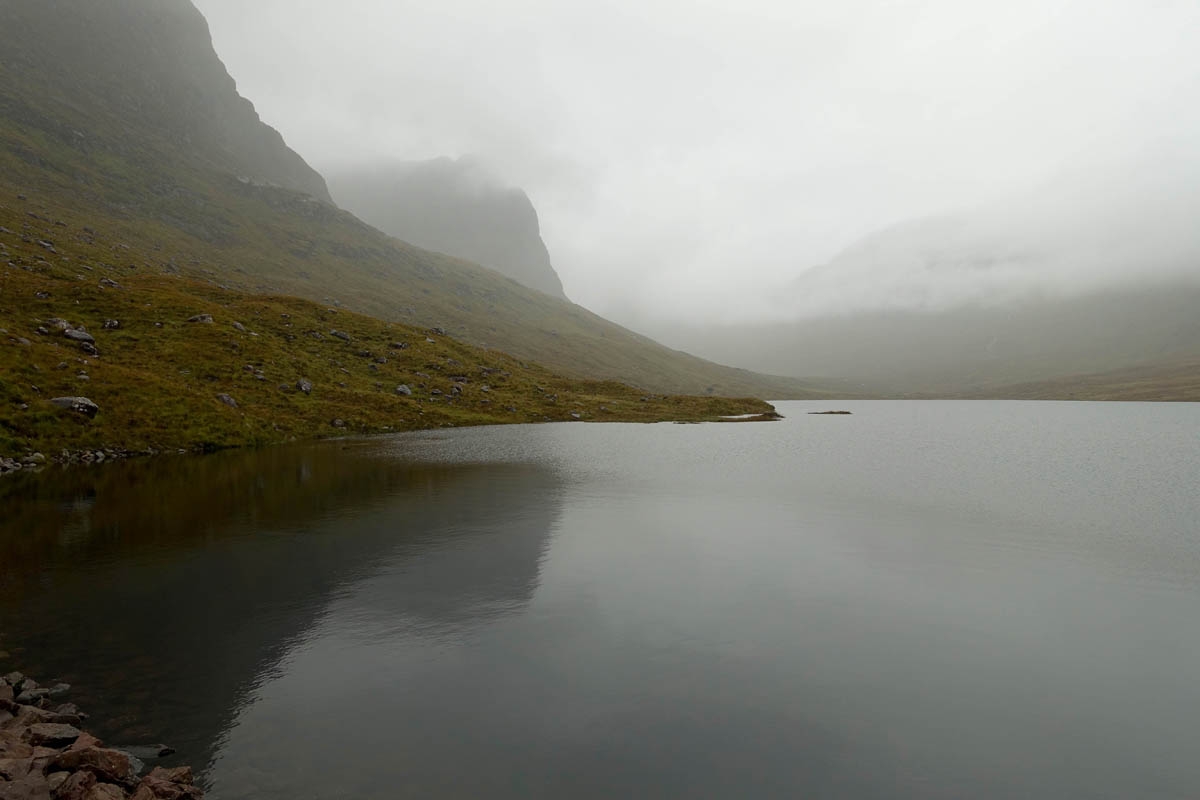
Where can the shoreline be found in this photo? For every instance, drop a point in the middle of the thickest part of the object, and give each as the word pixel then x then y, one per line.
pixel 34 462
pixel 45 753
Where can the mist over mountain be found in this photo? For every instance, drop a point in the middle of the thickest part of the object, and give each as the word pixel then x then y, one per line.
pixel 140 67
pixel 119 118
pixel 1105 228
pixel 1091 273
pixel 453 206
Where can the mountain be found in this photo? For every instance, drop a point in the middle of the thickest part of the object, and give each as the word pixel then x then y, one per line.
pixel 119 115
pixel 1091 273
pixel 142 69
pixel 455 207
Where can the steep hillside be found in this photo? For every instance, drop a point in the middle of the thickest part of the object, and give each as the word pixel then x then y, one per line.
pixel 453 207
pixel 115 151
pixel 107 76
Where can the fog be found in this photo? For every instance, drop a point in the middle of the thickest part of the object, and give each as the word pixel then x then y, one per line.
pixel 692 160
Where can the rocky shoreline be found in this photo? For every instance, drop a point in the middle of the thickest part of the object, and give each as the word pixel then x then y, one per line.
pixel 35 461
pixel 45 755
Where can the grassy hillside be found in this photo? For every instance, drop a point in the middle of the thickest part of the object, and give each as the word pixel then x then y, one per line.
pixel 111 154
pixel 158 378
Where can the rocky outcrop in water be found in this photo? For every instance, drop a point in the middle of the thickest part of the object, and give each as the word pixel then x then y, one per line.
pixel 45 754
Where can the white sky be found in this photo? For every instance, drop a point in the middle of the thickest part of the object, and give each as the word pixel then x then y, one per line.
pixel 685 155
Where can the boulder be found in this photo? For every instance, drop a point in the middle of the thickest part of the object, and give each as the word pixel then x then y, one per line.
pixel 77 335
pixel 109 283
pixel 76 787
pixel 205 319
pixel 55 780
pixel 30 697
pixel 111 324
pixel 80 405
pixel 404 390
pixel 32 787
pixel 304 385
pixel 345 337
pixel 156 788
pixel 227 400
pixel 181 775
pixel 108 765
pixel 13 769
pixel 50 734
pixel 239 327
pixel 106 791
pixel 85 741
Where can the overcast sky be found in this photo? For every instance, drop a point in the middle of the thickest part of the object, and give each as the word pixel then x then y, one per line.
pixel 685 155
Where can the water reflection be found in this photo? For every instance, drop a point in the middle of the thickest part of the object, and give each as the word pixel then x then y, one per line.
pixel 165 591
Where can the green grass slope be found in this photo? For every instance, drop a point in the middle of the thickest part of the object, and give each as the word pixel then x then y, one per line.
pixel 158 378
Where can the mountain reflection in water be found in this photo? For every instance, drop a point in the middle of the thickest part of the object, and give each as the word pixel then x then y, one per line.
pixel 166 590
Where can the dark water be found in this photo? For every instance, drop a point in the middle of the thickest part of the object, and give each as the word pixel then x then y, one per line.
pixel 922 600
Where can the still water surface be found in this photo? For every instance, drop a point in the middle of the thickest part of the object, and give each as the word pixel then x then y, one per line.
pixel 922 600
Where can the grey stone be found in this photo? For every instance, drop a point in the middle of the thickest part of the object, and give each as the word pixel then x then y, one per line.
pixel 404 390
pixel 205 319
pixel 50 734
pixel 80 405
pixel 227 400
pixel 109 283
pixel 304 385
pixel 345 337
pixel 111 324
pixel 79 335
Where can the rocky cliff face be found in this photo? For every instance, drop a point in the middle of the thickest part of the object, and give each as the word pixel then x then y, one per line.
pixel 454 207
pixel 140 65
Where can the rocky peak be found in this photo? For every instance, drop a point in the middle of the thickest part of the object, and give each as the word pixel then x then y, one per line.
pixel 455 207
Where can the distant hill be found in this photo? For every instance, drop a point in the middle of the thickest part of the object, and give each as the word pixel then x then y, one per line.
pixel 1089 274
pixel 454 207
pixel 120 116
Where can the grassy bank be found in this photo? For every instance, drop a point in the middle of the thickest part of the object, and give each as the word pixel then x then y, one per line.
pixel 266 369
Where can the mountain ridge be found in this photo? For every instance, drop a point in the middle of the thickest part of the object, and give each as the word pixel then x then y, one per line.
pixel 456 207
